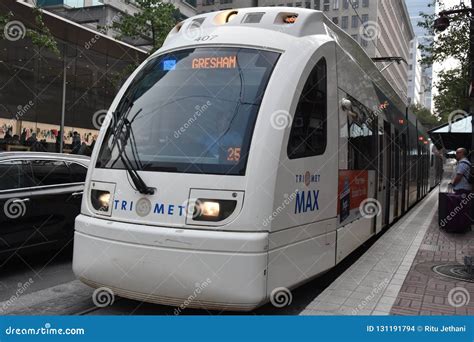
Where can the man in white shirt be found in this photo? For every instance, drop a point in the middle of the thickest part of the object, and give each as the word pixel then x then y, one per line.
pixel 460 181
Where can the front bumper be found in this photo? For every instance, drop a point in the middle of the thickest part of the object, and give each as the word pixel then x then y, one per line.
pixel 179 267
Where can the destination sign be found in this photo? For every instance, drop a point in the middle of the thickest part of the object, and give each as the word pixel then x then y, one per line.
pixel 224 62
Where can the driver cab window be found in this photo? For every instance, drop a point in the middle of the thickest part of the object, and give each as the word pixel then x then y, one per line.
pixel 308 135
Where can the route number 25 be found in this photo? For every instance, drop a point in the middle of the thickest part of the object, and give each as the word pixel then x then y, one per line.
pixel 233 154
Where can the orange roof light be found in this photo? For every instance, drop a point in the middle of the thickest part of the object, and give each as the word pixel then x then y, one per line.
pixel 290 19
pixel 231 16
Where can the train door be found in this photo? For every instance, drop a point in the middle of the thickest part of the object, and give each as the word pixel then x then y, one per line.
pixel 390 150
pixel 384 178
pixel 381 185
pixel 419 171
pixel 404 174
pixel 397 188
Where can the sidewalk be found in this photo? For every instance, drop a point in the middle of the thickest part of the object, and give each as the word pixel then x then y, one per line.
pixel 395 275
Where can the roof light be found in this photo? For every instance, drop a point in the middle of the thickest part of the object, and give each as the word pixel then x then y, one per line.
pixel 290 19
pixel 224 17
pixel 231 16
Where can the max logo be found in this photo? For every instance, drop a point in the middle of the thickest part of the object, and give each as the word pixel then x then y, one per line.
pixel 306 201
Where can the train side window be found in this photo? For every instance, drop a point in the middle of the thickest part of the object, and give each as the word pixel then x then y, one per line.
pixel 362 128
pixel 308 135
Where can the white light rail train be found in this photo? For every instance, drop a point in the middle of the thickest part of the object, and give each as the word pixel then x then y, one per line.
pixel 254 151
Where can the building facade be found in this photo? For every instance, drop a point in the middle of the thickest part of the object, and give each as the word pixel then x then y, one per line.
pixel 101 14
pixel 39 86
pixel 416 80
pixel 415 8
pixel 381 27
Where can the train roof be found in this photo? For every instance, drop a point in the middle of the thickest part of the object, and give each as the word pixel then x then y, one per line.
pixel 306 23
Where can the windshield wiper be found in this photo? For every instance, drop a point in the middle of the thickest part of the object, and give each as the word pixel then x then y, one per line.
pixel 122 140
pixel 121 136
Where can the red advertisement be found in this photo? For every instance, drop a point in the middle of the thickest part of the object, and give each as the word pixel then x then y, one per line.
pixel 353 189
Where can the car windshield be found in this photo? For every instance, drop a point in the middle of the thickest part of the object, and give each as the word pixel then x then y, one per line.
pixel 192 111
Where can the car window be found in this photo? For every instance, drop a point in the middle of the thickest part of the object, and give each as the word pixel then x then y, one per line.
pixel 15 175
pixel 78 173
pixel 50 172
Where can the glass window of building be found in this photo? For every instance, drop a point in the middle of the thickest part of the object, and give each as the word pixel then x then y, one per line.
pixel 345 22
pixel 354 21
pixel 327 5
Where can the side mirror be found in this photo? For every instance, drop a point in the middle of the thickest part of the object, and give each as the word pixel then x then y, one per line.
pixel 346 105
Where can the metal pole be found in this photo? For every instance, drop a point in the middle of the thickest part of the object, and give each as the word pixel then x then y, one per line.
pixel 63 111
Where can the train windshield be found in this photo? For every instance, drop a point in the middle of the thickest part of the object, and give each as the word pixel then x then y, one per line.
pixel 190 111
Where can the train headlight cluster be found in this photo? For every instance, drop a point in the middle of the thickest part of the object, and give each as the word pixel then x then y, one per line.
pixel 213 210
pixel 101 201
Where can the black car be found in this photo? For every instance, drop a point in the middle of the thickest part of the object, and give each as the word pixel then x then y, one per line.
pixel 40 196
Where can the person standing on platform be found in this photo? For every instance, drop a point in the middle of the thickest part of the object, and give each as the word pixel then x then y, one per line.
pixel 460 182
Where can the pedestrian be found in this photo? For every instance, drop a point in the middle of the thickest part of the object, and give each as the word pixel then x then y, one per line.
pixel 31 140
pixel 23 137
pixel 460 181
pixel 76 143
pixel 58 142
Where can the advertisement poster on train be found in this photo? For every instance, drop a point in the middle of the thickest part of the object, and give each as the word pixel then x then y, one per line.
pixel 353 190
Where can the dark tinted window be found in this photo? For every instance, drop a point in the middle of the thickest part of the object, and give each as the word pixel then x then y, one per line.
pixel 362 126
pixel 50 172
pixel 15 175
pixel 78 173
pixel 308 135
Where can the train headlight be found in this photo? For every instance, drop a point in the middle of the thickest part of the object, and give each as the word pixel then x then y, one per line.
pixel 101 201
pixel 213 210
